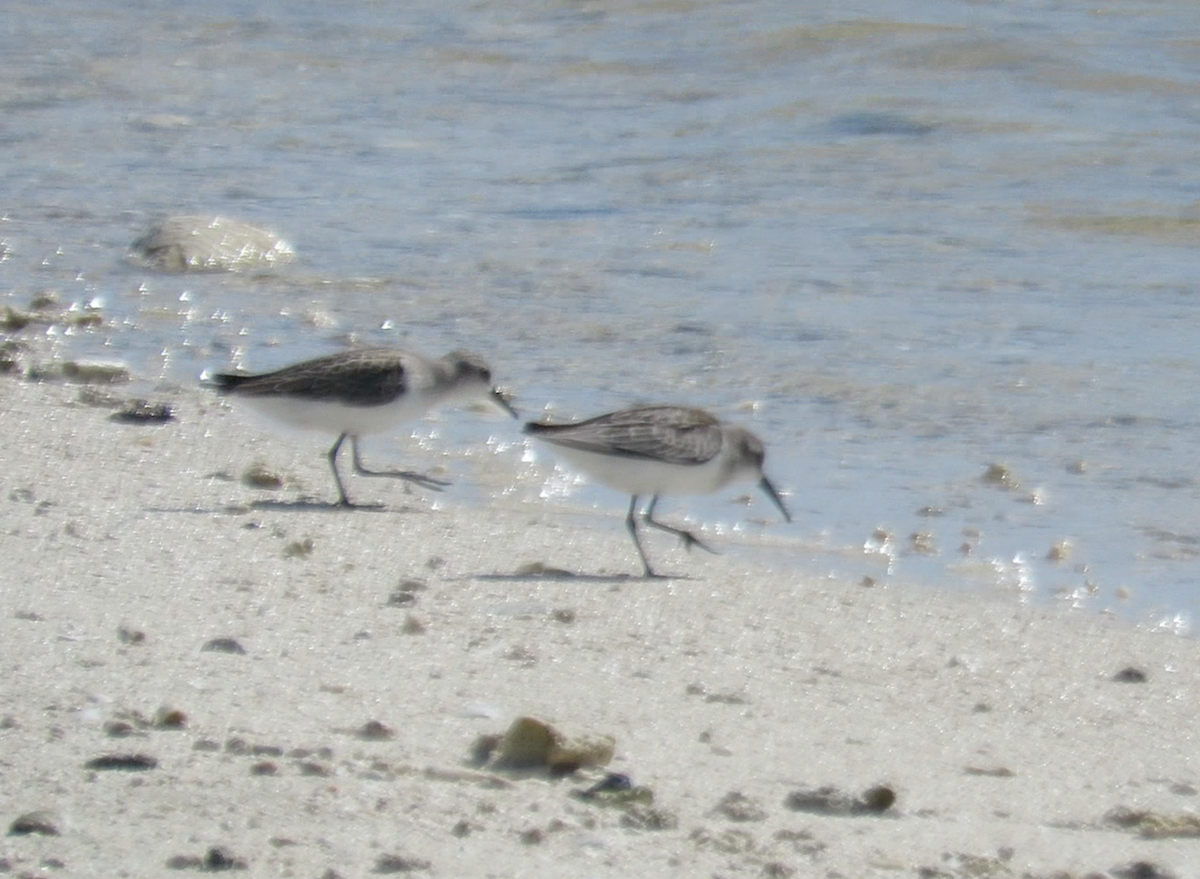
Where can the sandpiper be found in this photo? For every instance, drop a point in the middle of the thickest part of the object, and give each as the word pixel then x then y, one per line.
pixel 658 450
pixel 364 391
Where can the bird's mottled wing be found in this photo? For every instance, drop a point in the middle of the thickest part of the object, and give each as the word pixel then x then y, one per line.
pixel 672 434
pixel 370 377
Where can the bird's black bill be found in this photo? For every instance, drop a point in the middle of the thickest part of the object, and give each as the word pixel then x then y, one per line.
pixel 769 489
pixel 501 400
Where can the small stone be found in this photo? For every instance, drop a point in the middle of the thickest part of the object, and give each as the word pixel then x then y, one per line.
pixel 264 767
pixel 224 645
pixel 143 412
pixel 533 743
pixel 564 615
pixel 400 864
pixel 876 799
pixel 120 729
pixel 169 718
pixel 43 822
pixel 1060 551
pixel 1131 675
pixel 1141 870
pixel 219 858
pixel 375 731
pixel 125 762
pixel 1000 475
pixel 258 476
pixel 922 543
pixel 413 625
pixel 131 636
pixel 313 768
pixel 829 800
pixel 613 782
pixel 401 598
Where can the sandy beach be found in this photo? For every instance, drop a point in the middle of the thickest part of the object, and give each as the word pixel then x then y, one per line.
pixel 198 675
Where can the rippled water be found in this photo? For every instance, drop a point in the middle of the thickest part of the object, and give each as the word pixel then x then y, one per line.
pixel 905 243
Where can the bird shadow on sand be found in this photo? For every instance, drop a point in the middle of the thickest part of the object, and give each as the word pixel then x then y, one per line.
pixel 539 571
pixel 314 505
pixel 301 505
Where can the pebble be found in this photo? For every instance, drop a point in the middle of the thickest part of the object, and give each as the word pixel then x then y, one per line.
pixel 223 645
pixel 400 864
pixel 143 412
pixel 376 731
pixel 532 743
pixel 829 800
pixel 1131 675
pixel 125 762
pixel 43 822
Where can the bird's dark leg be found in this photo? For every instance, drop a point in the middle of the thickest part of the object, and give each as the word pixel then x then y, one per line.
pixel 689 539
pixel 333 453
pixel 631 524
pixel 407 475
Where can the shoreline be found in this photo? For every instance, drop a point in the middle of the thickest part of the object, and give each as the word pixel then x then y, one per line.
pixel 1011 740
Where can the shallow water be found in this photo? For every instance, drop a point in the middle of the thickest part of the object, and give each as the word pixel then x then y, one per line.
pixel 904 247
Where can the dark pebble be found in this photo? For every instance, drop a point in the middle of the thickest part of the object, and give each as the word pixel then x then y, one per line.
pixel 144 412
pixel 131 636
pixel 375 731
pixel 829 800
pixel 127 762
pixel 41 822
pixel 219 858
pixel 170 718
pixel 399 864
pixel 1141 870
pixel 312 768
pixel 614 781
pixel 1131 675
pixel 120 729
pixel 224 645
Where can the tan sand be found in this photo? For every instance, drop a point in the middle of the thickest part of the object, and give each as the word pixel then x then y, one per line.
pixel 1011 748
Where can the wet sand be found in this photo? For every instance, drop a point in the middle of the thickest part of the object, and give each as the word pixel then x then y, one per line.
pixel 298 691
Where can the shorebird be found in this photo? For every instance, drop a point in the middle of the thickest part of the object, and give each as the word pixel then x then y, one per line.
pixel 364 391
pixel 659 450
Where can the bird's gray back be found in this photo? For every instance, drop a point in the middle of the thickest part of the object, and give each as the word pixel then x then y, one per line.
pixel 366 377
pixel 671 434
